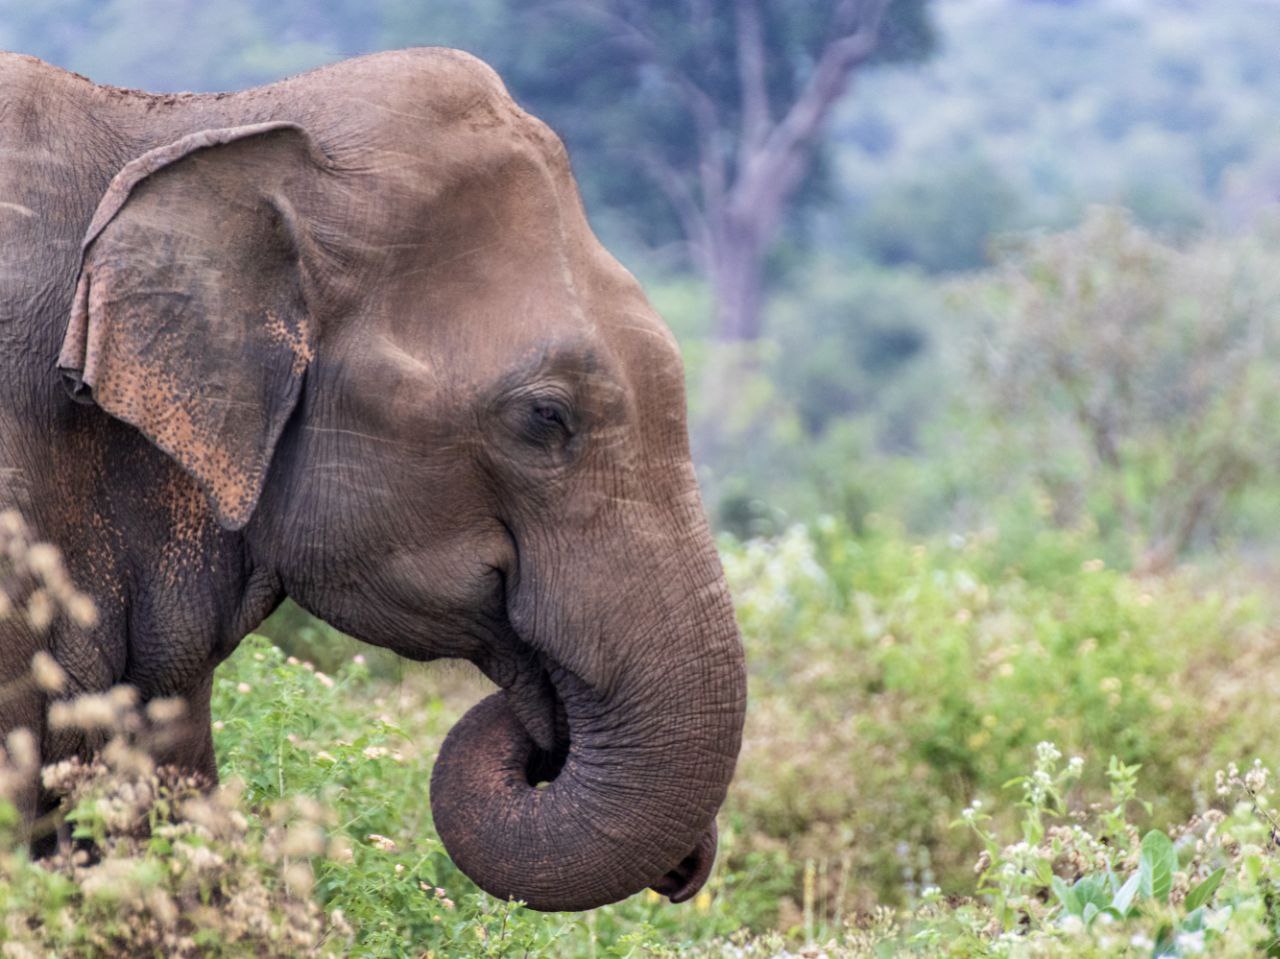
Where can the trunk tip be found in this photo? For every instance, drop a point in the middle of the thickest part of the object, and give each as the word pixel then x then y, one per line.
pixel 683 882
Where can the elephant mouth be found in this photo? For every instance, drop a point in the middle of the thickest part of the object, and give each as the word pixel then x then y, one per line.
pixel 531 694
pixel 534 701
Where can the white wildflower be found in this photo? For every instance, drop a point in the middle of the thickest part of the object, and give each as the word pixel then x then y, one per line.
pixel 381 842
pixel 168 710
pixel 1047 752
pixel 48 675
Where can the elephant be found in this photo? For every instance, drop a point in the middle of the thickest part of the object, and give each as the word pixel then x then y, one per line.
pixel 348 338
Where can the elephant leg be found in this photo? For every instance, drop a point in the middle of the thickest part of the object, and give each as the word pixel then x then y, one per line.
pixel 24 762
pixel 22 731
pixel 187 742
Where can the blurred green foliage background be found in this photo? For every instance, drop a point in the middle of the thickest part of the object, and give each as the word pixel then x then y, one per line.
pixel 906 291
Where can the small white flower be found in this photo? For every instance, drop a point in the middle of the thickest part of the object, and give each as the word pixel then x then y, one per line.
pixel 381 842
pixel 1256 778
pixel 168 710
pixel 1072 925
pixel 48 675
pixel 1190 942
pixel 1047 752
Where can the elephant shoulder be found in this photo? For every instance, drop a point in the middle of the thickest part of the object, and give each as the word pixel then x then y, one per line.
pixel 30 88
pixel 47 193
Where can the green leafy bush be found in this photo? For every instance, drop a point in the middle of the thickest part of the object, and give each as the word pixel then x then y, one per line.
pixel 1081 880
pixel 893 682
pixel 1134 377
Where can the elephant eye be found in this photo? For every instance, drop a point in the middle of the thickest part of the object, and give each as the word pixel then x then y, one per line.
pixel 548 415
pixel 548 423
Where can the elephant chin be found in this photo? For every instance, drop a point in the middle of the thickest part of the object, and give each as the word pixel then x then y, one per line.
pixel 579 841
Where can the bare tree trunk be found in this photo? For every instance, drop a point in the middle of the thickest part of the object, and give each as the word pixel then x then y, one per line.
pixel 732 201
pixel 738 284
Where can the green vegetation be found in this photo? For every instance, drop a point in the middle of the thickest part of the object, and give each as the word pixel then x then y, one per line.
pixel 902 790
pixel 1123 383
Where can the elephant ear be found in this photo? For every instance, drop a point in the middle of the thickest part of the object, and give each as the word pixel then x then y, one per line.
pixel 190 319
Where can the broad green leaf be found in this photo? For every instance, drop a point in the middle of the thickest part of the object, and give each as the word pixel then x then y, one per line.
pixel 1067 896
pixel 1156 866
pixel 1125 895
pixel 1044 871
pixel 1114 880
pixel 1092 890
pixel 1202 893
pixel 1090 913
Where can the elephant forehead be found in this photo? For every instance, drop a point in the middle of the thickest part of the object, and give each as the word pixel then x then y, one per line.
pixel 466 343
pixel 474 306
pixel 425 383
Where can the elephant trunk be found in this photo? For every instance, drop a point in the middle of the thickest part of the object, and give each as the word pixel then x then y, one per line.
pixel 631 801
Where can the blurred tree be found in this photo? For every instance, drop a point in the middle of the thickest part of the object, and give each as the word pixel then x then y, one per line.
pixel 941 218
pixel 848 344
pixel 720 104
pixel 1138 378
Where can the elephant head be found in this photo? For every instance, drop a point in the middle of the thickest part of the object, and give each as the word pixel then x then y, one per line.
pixel 373 324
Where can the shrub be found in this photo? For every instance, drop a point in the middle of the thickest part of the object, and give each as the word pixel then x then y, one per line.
pixel 1082 880
pixel 148 861
pixel 1135 376
pixel 892 683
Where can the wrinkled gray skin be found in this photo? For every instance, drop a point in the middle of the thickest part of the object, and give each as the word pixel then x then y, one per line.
pixel 349 338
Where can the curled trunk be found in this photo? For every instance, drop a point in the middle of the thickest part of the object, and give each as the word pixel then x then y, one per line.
pixel 629 803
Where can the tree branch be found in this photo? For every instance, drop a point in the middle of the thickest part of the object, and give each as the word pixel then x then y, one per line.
pixel 702 108
pixel 681 196
pixel 793 137
pixel 751 76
